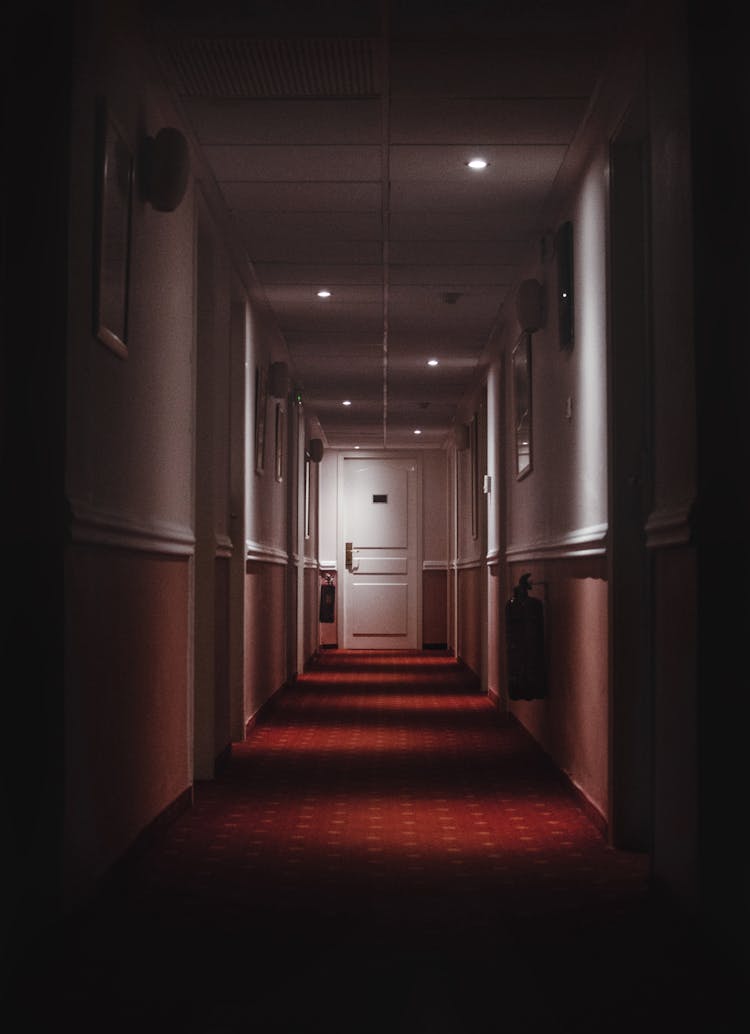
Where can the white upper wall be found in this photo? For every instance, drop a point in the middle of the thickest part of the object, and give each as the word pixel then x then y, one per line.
pixel 130 423
pixel 565 494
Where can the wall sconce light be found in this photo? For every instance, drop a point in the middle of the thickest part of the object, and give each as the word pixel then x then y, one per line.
pixel 316 449
pixel 530 305
pixel 165 169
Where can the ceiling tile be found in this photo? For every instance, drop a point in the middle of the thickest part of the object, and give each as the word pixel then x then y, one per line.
pixel 318 227
pixel 489 121
pixel 518 225
pixel 291 249
pixel 450 277
pixel 449 252
pixel 297 123
pixel 303 197
pixel 300 162
pixel 318 276
pixel 533 62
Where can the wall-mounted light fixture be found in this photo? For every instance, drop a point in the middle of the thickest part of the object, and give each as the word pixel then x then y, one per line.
pixel 165 166
pixel 316 449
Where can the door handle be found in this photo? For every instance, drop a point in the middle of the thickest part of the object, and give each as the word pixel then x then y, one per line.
pixel 348 555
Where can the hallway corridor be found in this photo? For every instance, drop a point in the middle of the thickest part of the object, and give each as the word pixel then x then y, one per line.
pixel 385 852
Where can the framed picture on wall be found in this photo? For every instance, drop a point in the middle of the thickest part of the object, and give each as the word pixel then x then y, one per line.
pixel 521 380
pixel 114 195
pixel 261 398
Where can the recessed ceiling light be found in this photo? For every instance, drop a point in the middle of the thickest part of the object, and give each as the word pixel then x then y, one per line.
pixel 432 362
pixel 356 446
pixel 324 294
pixel 477 163
pixel 346 402
pixel 417 431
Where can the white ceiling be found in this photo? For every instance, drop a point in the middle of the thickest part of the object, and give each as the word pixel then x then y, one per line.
pixel 338 135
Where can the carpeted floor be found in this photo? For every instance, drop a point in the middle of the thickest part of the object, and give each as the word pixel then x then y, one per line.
pixel 384 853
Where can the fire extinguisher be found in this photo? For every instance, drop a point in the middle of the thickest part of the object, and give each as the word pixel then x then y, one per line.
pixel 524 635
pixel 327 600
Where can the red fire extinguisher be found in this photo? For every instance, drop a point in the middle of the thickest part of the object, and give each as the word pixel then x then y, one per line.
pixel 524 640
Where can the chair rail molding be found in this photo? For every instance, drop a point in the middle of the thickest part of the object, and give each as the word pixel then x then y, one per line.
pixel 258 551
pixel 670 527
pixel 91 525
pixel 589 541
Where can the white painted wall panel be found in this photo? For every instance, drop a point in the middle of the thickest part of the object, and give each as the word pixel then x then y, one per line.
pixel 381 609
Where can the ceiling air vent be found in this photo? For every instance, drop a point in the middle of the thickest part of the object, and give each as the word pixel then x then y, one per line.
pixel 254 67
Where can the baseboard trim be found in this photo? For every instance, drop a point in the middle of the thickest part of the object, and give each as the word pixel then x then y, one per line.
pixel 592 813
pixel 265 709
pixel 182 803
pixel 146 839
pixel 222 760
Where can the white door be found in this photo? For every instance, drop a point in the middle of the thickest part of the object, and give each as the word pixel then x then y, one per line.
pixel 380 501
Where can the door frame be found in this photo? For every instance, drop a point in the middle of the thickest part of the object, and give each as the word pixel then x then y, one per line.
pixel 203 743
pixel 630 490
pixel 376 454
pixel 240 389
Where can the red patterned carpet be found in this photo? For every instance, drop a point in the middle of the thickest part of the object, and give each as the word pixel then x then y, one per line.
pixel 384 853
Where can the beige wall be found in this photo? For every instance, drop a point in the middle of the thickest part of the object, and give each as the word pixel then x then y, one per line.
pixel 470 618
pixel 222 694
pixel 265 633
pixel 435 608
pixel 572 722
pixel 127 720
